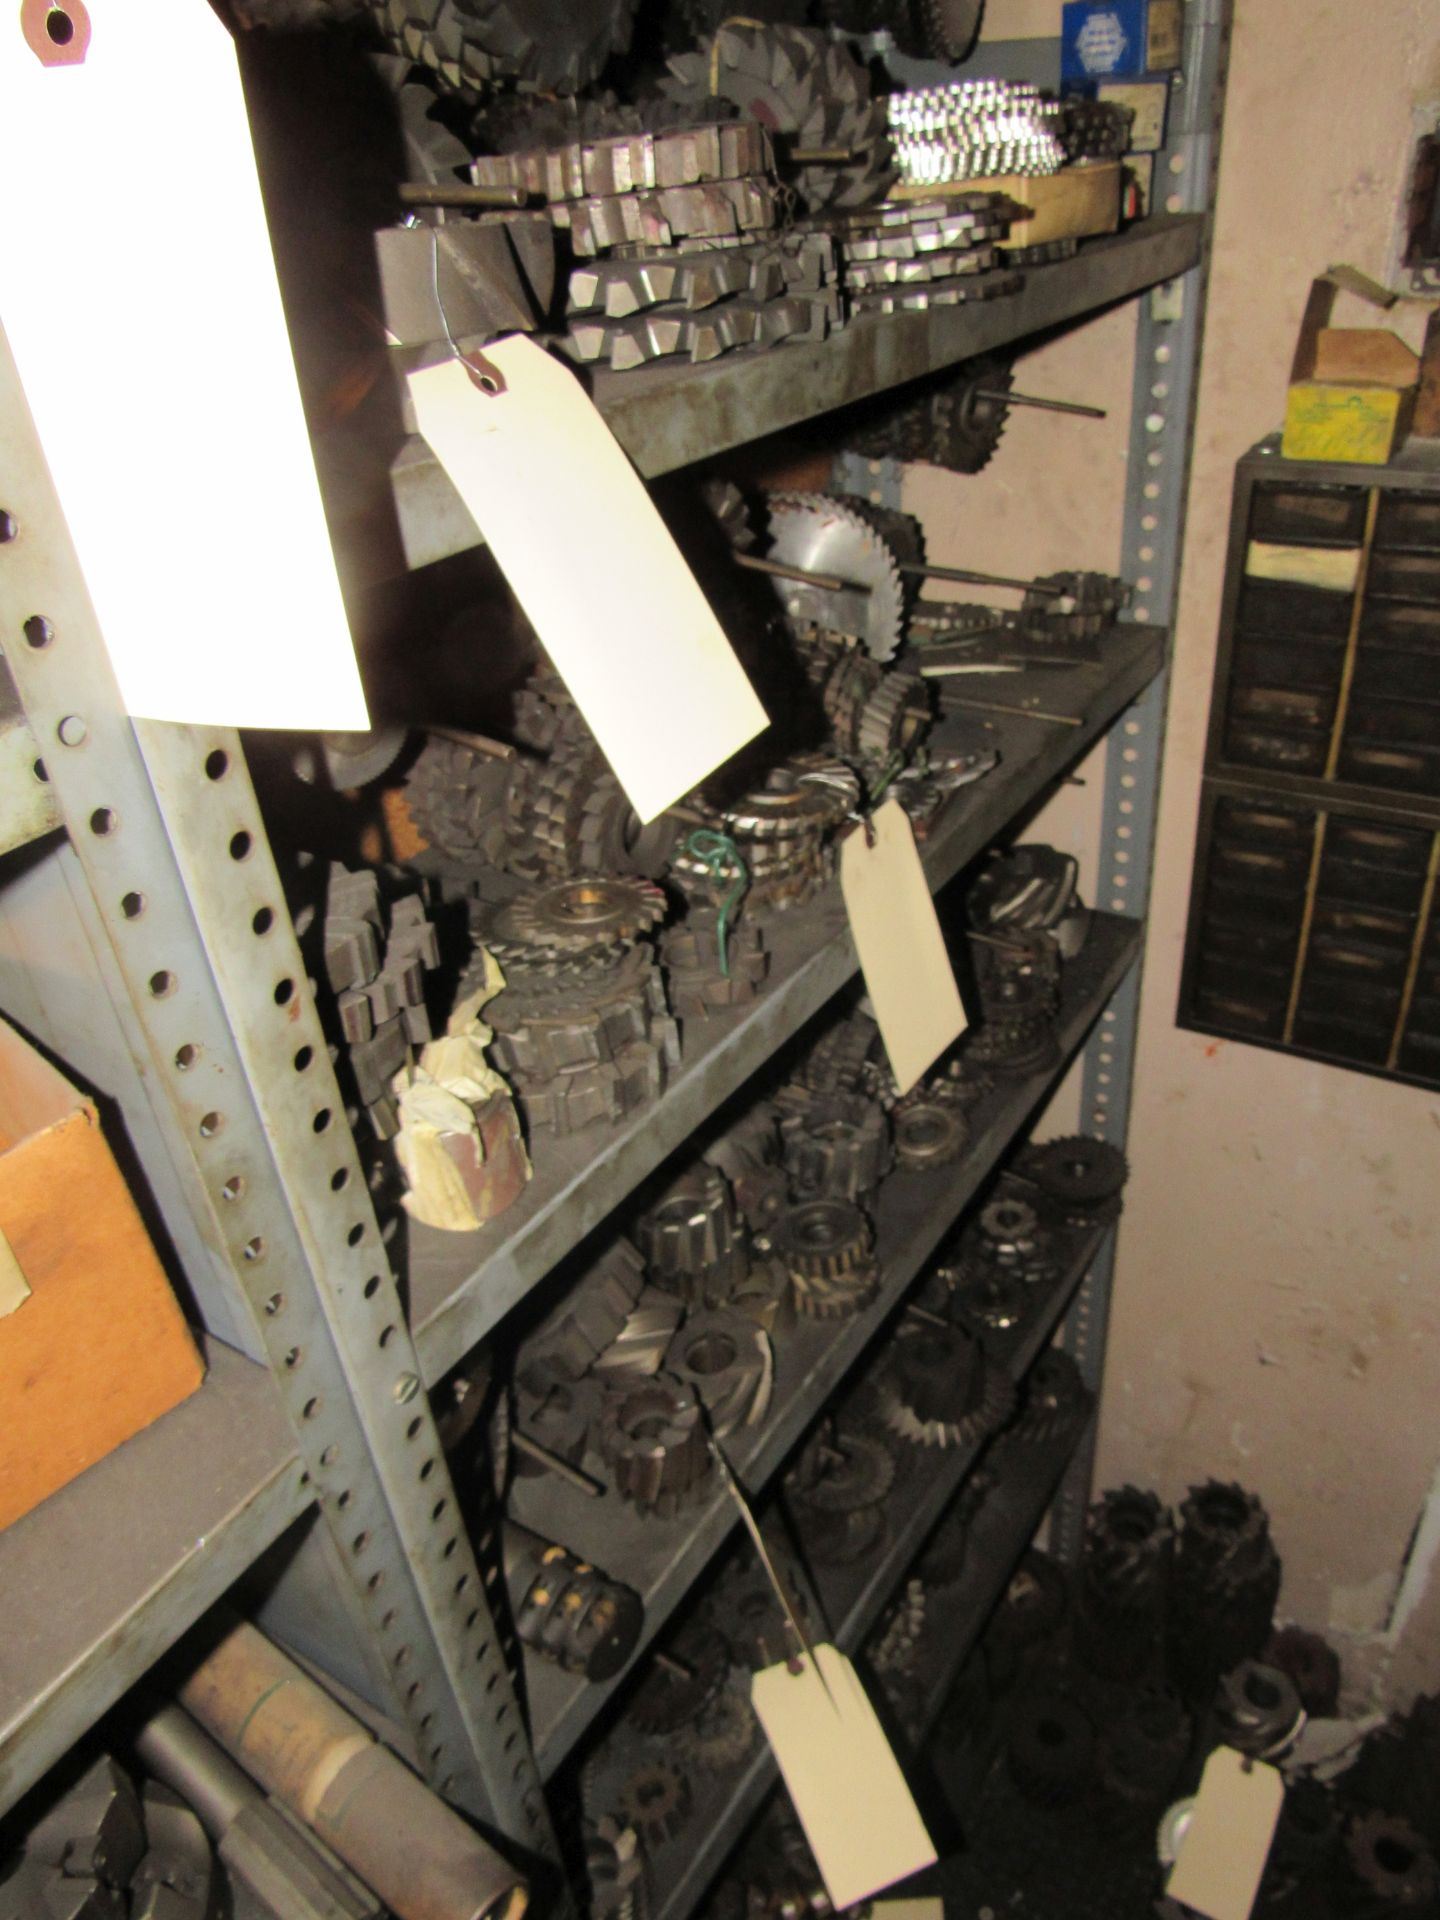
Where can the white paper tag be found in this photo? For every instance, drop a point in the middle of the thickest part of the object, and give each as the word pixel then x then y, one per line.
pixel 1228 1840
pixel 902 950
pixel 846 1785
pixel 138 294
pixel 594 567
pixel 14 1287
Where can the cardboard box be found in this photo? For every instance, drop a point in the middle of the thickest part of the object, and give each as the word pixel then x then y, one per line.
pixel 1352 389
pixel 93 1345
pixel 1148 101
pixel 1119 39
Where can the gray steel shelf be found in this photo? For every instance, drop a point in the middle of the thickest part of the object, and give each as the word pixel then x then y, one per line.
pixel 687 1866
pixel 662 1559
pixel 461 1285
pixel 108 1573
pixel 667 417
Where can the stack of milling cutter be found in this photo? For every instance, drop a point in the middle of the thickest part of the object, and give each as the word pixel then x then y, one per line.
pixel 1026 920
pixel 678 236
pixel 975 129
pixel 902 258
pixel 582 1030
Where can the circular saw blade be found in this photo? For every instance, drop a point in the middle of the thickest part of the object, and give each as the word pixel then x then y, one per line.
pixel 819 534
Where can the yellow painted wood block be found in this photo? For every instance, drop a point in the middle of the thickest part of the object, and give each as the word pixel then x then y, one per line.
pixel 1363 424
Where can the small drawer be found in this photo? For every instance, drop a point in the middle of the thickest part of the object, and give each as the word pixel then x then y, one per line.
pixel 1275 752
pixel 1248 909
pixel 1404 576
pixel 1409 520
pixel 1234 1013
pixel 1397 676
pixel 1272 823
pixel 1272 662
pixel 1424 1018
pixel 1392 722
pixel 1343 1039
pixel 1369 889
pixel 1323 515
pixel 1292 709
pixel 1369 844
pixel 1398 769
pixel 1368 1003
pixel 1268 954
pixel 1268 606
pixel 1278 870
pixel 1413 629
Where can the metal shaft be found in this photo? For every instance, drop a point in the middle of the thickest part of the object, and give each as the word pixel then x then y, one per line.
pixel 360 1799
pixel 179 1752
pixel 1009 399
pixel 1022 713
pixel 552 1463
pixel 263 1848
pixel 820 156
pixel 922 570
pixel 778 570
pixel 426 193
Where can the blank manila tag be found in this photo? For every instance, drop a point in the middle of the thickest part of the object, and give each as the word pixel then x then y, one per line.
pixel 1228 1840
pixel 927 1907
pixel 593 565
pixel 139 298
pixel 846 1784
pixel 902 951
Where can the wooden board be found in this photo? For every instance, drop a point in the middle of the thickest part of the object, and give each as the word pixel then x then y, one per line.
pixel 1077 201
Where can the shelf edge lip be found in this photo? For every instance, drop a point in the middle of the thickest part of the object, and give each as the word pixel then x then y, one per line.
pixel 458 1322
pixel 552 1751
pixel 63 1708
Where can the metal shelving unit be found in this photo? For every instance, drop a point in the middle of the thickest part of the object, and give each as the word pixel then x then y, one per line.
pixel 175 986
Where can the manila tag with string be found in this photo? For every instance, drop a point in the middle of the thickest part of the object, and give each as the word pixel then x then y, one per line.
pixel 843 1779
pixel 588 557
pixel 902 951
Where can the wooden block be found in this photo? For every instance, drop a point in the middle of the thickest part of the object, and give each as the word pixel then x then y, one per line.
pixel 98 1348
pixel 1077 201
pixel 1359 354
pixel 1366 425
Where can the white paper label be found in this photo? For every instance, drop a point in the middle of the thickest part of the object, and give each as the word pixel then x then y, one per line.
pixel 14 1287
pixel 846 1785
pixel 1228 1840
pixel 138 294
pixel 594 567
pixel 902 950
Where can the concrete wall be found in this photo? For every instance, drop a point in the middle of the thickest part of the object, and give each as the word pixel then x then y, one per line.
pixel 1278 1304
pixel 1277 1313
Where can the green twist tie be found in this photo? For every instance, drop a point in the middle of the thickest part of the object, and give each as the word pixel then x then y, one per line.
pixel 720 857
